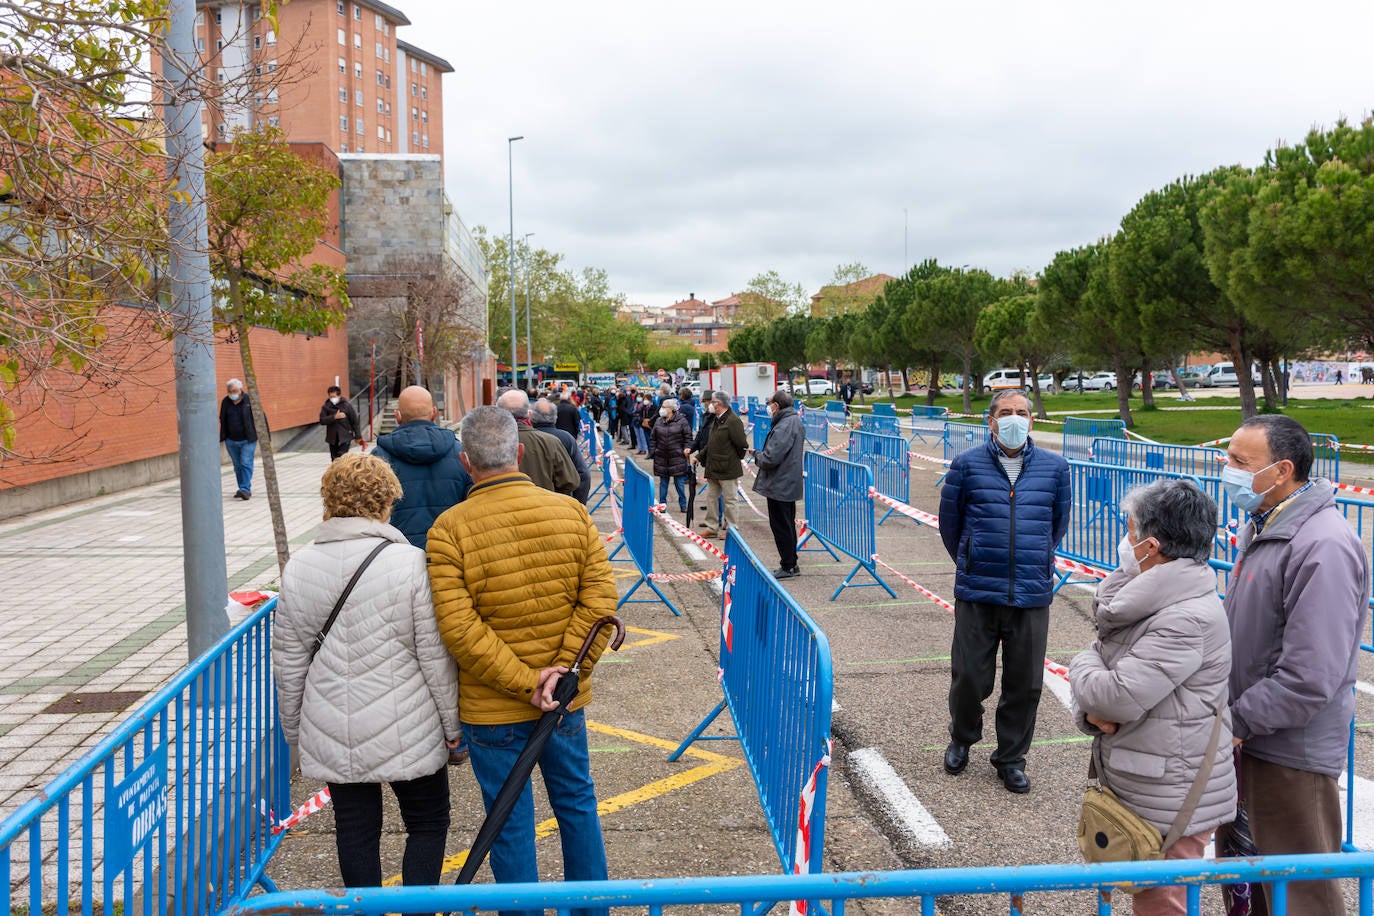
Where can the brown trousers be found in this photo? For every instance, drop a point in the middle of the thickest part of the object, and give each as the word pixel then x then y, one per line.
pixel 1293 812
pixel 1172 901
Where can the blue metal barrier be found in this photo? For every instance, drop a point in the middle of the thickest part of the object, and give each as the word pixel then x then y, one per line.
pixel 778 684
pixel 839 513
pixel 771 893
pixel 589 431
pixel 884 409
pixel 1180 459
pixel 1360 514
pixel 960 437
pixel 639 534
pixel 762 423
pixel 1079 433
pixel 886 457
pixel 1326 456
pixel 171 813
pixel 928 425
pixel 817 427
pixel 606 487
pixel 924 412
pixel 836 414
pixel 886 424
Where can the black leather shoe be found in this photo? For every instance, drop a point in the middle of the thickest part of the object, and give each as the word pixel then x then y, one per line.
pixel 956 758
pixel 1014 778
pixel 782 572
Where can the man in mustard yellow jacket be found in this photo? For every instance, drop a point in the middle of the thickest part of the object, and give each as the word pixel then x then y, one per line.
pixel 519 576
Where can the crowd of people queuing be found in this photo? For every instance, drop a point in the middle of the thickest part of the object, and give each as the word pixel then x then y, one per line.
pixel 487 576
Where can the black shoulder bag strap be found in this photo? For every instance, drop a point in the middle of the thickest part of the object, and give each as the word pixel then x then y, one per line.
pixel 338 605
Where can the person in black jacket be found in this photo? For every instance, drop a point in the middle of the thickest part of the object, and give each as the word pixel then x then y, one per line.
pixel 340 421
pixel 424 456
pixel 239 434
pixel 669 443
pixel 569 417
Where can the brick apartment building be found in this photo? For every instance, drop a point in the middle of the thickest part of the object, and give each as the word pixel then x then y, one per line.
pixel 334 76
pixel 703 325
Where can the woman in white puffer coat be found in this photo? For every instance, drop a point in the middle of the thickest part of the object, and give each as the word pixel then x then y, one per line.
pixel 1149 688
pixel 379 702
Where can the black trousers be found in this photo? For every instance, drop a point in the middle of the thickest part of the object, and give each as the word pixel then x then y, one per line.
pixel 1021 633
pixel 782 519
pixel 358 829
pixel 338 449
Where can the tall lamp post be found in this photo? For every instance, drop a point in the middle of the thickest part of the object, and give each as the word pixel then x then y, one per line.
pixel 529 349
pixel 510 248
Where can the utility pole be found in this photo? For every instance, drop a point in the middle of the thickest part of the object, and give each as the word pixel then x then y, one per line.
pixel 202 504
pixel 529 346
pixel 510 251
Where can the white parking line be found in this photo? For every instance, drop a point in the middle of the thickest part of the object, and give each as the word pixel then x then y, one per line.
pixel 1364 810
pixel 1363 687
pixel 693 551
pixel 906 811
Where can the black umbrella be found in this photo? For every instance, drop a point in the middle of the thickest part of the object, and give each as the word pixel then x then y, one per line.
pixel 691 492
pixel 564 692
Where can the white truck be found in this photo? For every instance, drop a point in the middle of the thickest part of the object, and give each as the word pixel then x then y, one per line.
pixel 744 380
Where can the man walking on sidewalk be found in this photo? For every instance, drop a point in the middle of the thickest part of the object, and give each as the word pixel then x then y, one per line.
pixel 239 434
pixel 1004 509
pixel 780 478
pixel 339 418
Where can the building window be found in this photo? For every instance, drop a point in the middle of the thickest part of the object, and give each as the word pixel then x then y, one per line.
pixel 424 92
pixel 271 37
pixel 274 121
pixel 343 65
pixel 200 44
pixel 388 82
pixel 388 109
pixel 424 140
pixel 271 66
pixel 388 135
pixel 342 40
pixel 219 44
pixel 219 18
pixel 377 49
pixel 414 65
pixel 200 18
pixel 379 78
pixel 358 41
pixel 257 99
pixel 219 128
pixel 381 132
pixel 357 97
pixel 386 27
pixel 344 147
pixel 379 106
pixel 377 20
pixel 272 96
pixel 343 124
pixel 257 42
pixel 361 149
pixel 343 95
pixel 340 6
pixel 424 116
pixel 414 90
pixel 414 138
pixel 424 69
pixel 414 114
pixel 386 54
pixel 257 13
pixel 358 125
pixel 257 69
pixel 357 12
pixel 357 71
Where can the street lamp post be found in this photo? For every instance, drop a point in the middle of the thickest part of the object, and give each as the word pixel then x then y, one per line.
pixel 529 349
pixel 510 248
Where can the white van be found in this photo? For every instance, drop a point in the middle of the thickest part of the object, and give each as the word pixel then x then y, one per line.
pixel 1223 375
pixel 1002 379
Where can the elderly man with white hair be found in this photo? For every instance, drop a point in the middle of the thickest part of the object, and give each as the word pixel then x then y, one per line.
pixel 543 459
pixel 239 435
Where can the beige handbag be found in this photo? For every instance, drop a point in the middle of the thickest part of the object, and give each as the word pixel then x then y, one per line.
pixel 1109 831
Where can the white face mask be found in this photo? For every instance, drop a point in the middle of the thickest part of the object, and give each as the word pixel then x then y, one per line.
pixel 235 396
pixel 1012 431
pixel 664 412
pixel 1126 559
pixel 334 400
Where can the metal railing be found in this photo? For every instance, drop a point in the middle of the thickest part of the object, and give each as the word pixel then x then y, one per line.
pixel 839 514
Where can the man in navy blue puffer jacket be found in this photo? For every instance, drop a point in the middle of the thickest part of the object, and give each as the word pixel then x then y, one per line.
pixel 1003 511
pixel 424 456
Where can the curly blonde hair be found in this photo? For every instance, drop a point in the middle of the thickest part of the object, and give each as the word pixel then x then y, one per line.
pixel 359 486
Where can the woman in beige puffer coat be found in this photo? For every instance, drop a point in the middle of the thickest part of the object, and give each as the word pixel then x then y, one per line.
pixel 1149 688
pixel 379 703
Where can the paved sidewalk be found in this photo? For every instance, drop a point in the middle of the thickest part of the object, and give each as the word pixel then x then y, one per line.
pixel 95 605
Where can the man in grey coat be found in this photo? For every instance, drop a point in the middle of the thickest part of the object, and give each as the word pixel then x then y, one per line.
pixel 780 478
pixel 544 418
pixel 1297 603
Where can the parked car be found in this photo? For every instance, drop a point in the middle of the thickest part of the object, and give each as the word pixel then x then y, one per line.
pixel 818 386
pixel 1193 378
pixel 1158 381
pixel 1098 381
pixel 1223 375
pixel 1003 379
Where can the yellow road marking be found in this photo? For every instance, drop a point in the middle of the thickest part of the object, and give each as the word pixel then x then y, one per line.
pixel 621 573
pixel 654 636
pixel 714 764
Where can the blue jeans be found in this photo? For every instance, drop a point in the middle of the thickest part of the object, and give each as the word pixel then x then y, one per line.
pixel 566 769
pixel 241 453
pixel 642 435
pixel 680 483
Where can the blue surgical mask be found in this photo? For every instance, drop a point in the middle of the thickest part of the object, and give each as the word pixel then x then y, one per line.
pixel 1240 487
pixel 1012 431
pixel 235 397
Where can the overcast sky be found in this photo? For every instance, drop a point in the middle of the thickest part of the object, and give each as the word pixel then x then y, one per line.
pixel 688 147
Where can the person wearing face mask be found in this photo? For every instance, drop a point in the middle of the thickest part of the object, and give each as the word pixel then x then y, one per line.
pixel 340 421
pixel 1150 687
pixel 780 478
pixel 668 444
pixel 645 417
pixel 239 434
pixel 1004 508
pixel 1297 602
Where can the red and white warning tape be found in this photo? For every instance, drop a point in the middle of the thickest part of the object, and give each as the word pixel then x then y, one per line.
pixel 749 502
pixel 701 575
pixel 678 528
pixel 925 518
pixel 1358 448
pixel 727 629
pixel 946 462
pixel 805 810
pixel 1351 488
pixel 317 802
pixel 1214 442
pixel 1074 566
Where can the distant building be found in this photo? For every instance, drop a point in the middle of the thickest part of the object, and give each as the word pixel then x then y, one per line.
pixel 705 326
pixel 852 297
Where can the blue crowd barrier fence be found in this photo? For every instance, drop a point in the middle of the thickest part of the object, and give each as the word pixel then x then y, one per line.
pixel 778 683
pixel 1079 433
pixel 926 412
pixel 1181 459
pixel 928 425
pixel 762 423
pixel 839 514
pixel 920 887
pixel 886 456
pixel 1359 512
pixel 836 414
pixel 817 427
pixel 960 437
pixel 589 432
pixel 880 423
pixel 884 409
pixel 1326 456
pixel 172 812
pixel 638 539
pixel 606 486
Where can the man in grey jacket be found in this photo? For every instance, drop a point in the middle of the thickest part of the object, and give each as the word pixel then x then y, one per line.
pixel 544 418
pixel 1297 602
pixel 780 478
